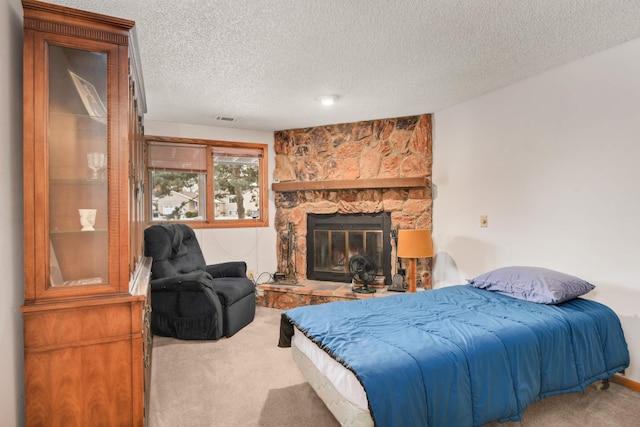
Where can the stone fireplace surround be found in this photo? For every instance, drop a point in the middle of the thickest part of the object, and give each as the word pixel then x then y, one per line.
pixel 375 152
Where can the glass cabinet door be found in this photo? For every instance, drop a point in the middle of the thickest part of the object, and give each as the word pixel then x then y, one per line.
pixel 78 162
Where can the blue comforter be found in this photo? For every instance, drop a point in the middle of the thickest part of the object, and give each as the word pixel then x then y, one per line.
pixel 461 356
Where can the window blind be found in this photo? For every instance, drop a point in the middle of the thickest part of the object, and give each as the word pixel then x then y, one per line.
pixel 237 152
pixel 177 157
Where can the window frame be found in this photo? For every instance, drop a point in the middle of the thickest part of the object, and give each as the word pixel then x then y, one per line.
pixel 209 220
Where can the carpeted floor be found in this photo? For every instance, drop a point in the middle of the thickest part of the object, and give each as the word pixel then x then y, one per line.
pixel 246 380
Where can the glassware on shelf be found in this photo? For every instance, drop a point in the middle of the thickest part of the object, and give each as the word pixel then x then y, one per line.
pixel 97 163
pixel 87 219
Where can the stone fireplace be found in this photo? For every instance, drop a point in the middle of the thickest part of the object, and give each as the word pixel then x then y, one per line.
pixel 363 168
pixel 353 168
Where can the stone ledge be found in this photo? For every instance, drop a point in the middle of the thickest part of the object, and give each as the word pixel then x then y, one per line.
pixel 311 292
pixel 352 184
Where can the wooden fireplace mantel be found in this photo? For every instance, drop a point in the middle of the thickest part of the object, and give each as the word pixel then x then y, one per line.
pixel 351 184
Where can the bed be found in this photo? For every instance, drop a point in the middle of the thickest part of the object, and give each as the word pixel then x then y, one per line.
pixel 455 356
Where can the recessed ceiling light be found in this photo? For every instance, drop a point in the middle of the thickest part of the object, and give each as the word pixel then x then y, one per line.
pixel 328 100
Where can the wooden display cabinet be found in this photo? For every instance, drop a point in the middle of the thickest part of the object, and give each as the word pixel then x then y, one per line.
pixel 87 342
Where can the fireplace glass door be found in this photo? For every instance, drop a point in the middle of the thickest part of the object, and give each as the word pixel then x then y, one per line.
pixel 334 249
pixel 333 239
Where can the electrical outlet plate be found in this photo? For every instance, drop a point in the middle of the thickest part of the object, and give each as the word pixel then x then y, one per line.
pixel 484 221
pixel 250 274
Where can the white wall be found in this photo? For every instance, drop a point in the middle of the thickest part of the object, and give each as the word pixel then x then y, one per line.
pixel 553 162
pixel 255 246
pixel 11 224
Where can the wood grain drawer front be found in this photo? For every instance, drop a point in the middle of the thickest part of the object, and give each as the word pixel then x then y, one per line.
pixel 79 386
pixel 79 326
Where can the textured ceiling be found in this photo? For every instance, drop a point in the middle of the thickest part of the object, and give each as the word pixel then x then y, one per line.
pixel 267 61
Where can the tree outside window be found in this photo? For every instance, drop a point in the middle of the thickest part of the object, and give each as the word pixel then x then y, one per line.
pixel 175 195
pixel 236 176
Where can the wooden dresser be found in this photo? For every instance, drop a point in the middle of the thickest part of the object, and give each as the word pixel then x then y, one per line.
pixel 87 344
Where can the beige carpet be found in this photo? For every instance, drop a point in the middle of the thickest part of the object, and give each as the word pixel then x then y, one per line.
pixel 246 380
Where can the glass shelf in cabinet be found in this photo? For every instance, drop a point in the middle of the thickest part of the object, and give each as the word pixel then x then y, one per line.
pixel 99 182
pixel 89 281
pixel 96 231
pixel 97 120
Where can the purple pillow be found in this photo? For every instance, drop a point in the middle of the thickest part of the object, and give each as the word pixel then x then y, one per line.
pixel 533 284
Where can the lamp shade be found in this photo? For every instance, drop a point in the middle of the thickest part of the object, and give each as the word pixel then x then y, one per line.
pixel 415 244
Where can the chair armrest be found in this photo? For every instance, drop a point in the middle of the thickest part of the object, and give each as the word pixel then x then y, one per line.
pixel 194 281
pixel 228 269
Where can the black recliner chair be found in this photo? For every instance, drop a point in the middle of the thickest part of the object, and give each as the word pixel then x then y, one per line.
pixel 192 300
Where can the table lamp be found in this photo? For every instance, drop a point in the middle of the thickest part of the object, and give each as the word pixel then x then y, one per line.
pixel 414 244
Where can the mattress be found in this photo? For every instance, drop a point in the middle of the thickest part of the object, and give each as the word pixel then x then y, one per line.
pixel 338 388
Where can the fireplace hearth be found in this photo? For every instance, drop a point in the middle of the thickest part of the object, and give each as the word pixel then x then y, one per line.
pixel 332 239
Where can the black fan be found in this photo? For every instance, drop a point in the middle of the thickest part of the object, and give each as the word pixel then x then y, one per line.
pixel 363 270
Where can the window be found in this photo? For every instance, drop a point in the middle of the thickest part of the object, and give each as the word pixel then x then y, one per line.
pixel 207 183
